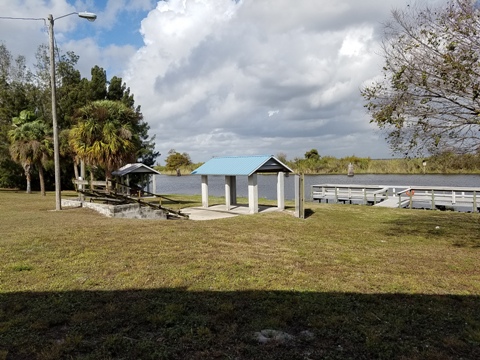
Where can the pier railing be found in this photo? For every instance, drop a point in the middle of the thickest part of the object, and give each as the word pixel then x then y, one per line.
pixel 433 197
pixel 365 194
pixel 439 197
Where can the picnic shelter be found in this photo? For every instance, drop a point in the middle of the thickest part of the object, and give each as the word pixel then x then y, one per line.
pixel 233 166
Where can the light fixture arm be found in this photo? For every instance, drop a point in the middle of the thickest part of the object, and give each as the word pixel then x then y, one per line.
pixel 84 15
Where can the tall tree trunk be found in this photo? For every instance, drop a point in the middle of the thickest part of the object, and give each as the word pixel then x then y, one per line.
pixel 26 168
pixel 41 175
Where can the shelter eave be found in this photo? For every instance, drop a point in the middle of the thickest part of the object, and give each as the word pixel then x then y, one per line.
pixel 135 168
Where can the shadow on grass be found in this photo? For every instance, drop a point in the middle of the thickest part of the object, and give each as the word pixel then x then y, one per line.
pixel 308 213
pixel 426 224
pixel 180 324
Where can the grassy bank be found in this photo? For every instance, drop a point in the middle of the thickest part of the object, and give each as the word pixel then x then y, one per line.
pixel 347 282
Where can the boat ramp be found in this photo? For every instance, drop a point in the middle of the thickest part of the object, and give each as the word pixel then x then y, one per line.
pixel 400 196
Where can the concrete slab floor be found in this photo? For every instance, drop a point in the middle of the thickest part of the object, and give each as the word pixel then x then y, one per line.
pixel 221 212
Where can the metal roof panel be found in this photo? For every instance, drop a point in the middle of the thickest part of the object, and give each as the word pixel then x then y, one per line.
pixel 241 165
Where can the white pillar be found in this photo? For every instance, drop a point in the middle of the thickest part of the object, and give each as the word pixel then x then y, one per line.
pixel 154 183
pixel 205 191
pixel 253 194
pixel 228 192
pixel 281 191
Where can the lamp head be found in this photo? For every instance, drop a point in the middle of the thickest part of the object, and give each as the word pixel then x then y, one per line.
pixel 87 15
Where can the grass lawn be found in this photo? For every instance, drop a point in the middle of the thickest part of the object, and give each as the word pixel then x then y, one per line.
pixel 347 282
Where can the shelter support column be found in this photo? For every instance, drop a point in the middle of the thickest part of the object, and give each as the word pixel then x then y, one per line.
pixel 205 191
pixel 154 183
pixel 281 191
pixel 148 184
pixel 228 192
pixel 253 194
pixel 233 190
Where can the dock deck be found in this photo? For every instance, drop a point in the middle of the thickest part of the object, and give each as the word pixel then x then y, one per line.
pixel 425 197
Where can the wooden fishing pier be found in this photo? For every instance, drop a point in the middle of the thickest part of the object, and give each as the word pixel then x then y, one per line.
pixel 400 196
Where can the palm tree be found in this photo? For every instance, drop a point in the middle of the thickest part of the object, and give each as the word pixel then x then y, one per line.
pixel 30 144
pixel 104 135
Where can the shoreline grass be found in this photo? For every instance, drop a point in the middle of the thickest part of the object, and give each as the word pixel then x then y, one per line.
pixel 366 282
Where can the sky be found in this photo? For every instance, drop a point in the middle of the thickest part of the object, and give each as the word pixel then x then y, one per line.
pixel 226 77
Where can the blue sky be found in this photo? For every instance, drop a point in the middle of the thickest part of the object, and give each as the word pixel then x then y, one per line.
pixel 123 31
pixel 224 77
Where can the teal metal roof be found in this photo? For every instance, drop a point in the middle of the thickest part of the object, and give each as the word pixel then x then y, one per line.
pixel 241 165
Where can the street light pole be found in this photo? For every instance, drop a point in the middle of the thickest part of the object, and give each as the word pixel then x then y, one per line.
pixel 56 145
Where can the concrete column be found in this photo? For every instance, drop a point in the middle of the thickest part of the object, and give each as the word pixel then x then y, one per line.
pixel 228 192
pixel 253 194
pixel 148 183
pixel 233 190
pixel 281 191
pixel 205 191
pixel 154 183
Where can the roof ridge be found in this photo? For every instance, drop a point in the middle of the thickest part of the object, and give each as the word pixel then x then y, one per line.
pixel 238 156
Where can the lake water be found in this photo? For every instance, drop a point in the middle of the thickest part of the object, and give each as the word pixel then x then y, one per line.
pixel 267 184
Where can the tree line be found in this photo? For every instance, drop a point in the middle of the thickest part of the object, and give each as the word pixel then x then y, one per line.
pixel 312 162
pixel 447 162
pixel 98 122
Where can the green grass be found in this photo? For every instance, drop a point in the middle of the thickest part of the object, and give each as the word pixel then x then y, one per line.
pixel 367 282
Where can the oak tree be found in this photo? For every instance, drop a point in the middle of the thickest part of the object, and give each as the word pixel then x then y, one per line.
pixel 428 100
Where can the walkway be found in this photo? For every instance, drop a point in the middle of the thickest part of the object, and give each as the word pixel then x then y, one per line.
pixel 220 211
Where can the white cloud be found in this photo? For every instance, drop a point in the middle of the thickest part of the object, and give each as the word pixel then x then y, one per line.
pixel 223 77
pixel 112 57
pixel 220 77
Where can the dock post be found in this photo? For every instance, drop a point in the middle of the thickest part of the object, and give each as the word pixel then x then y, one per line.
pixel 299 196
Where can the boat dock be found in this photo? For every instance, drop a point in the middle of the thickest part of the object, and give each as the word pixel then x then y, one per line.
pixel 400 196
